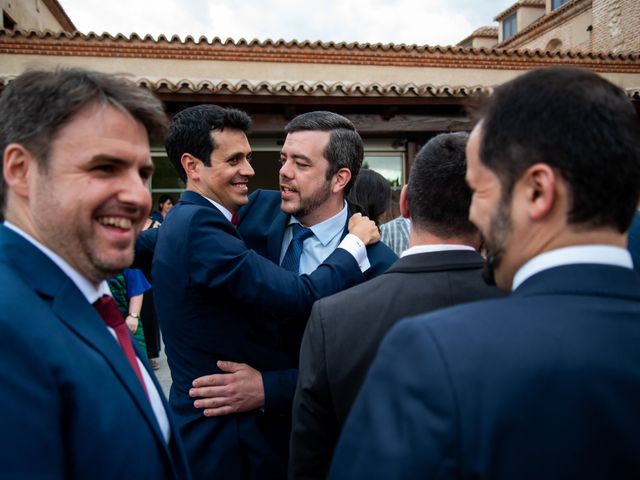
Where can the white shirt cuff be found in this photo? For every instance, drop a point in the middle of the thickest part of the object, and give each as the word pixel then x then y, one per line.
pixel 357 249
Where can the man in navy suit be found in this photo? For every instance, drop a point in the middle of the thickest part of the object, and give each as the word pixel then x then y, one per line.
pixel 219 302
pixel 543 383
pixel 76 162
pixel 320 159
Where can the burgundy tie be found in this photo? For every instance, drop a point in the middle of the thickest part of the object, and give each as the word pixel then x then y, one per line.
pixel 234 219
pixel 110 314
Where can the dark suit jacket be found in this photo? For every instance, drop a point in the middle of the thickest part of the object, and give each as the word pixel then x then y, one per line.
pixel 72 407
pixel 262 225
pixel 542 384
pixel 343 335
pixel 213 298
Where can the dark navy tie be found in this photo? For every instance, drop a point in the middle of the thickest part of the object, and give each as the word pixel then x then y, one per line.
pixel 291 260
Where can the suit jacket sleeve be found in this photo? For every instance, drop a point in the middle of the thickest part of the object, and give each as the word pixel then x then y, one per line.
pixel 219 258
pixel 314 424
pixel 402 424
pixel 279 387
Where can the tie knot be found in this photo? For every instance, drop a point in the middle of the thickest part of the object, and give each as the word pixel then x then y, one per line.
pixel 108 310
pixel 300 233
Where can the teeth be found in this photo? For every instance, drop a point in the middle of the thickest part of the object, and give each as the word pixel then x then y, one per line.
pixel 120 222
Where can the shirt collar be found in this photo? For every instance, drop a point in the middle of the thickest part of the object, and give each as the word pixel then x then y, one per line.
pixel 599 254
pixel 227 214
pixel 434 248
pixel 327 230
pixel 87 289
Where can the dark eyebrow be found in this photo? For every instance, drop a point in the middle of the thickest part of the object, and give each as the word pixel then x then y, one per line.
pixel 301 157
pixel 231 156
pixel 149 167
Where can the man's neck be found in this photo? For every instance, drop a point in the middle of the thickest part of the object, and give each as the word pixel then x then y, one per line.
pixel 419 237
pixel 323 212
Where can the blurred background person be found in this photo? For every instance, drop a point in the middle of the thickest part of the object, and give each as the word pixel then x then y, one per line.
pixel 165 203
pixel 371 195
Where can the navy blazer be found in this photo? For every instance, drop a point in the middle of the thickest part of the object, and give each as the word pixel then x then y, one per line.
pixel 262 225
pixel 217 300
pixel 542 384
pixel 72 405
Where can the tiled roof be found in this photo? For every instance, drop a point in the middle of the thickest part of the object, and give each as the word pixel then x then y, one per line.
pixel 486 32
pixel 515 6
pixel 550 20
pixel 294 51
pixel 482 32
pixel 59 14
pixel 301 88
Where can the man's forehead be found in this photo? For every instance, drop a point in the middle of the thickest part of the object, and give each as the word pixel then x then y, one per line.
pixel 307 141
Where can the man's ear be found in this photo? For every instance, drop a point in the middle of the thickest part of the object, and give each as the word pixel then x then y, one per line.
pixel 17 166
pixel 404 203
pixel 540 183
pixel 340 179
pixel 191 166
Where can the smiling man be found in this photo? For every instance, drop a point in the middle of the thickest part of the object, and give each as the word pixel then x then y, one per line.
pixel 76 162
pixel 320 160
pixel 217 301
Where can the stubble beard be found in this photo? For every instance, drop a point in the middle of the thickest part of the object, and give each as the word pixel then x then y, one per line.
pixel 309 204
pixel 76 243
pixel 495 242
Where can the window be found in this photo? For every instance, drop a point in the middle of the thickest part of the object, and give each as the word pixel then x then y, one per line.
pixel 557 3
pixel 8 22
pixel 509 26
pixel 164 179
pixel 389 166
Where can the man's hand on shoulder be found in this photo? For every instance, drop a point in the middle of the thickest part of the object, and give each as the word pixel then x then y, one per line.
pixel 364 228
pixel 239 390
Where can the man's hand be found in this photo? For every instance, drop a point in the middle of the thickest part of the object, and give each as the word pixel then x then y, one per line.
pixel 240 390
pixel 363 228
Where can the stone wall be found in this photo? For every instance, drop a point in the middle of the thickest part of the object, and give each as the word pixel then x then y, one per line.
pixel 616 26
pixel 31 15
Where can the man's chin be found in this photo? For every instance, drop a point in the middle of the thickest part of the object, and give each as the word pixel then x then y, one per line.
pixel 113 265
pixel 287 207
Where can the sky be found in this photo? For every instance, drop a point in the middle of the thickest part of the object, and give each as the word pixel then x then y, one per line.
pixel 421 22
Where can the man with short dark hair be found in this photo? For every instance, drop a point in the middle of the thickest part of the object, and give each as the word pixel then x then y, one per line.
pixel 220 303
pixel 440 268
pixel 79 400
pixel 543 383
pixel 320 158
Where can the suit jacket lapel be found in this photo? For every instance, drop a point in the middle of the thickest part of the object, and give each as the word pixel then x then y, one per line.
pixel 73 310
pixel 71 307
pixel 275 235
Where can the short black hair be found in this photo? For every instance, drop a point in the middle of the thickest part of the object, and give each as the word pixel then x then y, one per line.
pixel 438 195
pixel 576 122
pixel 163 198
pixel 38 103
pixel 371 194
pixel 190 132
pixel 345 148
